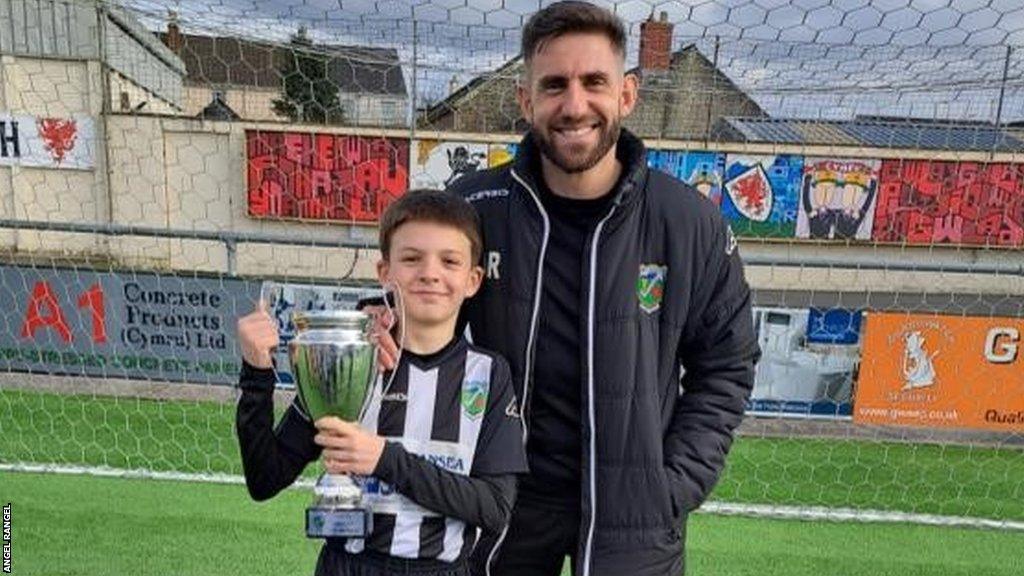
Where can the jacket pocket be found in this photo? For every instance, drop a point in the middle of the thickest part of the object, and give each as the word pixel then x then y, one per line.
pixel 673 505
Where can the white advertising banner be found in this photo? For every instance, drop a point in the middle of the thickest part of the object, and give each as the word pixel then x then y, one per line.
pixel 47 142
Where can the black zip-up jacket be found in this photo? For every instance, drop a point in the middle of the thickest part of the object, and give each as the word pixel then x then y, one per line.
pixel 663 286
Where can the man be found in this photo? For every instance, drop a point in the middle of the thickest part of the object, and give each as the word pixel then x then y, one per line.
pixel 601 279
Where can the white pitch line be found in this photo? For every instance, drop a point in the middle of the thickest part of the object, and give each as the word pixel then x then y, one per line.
pixel 109 472
pixel 853 515
pixel 819 513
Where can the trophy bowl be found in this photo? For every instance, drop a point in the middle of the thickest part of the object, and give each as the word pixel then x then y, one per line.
pixel 333 362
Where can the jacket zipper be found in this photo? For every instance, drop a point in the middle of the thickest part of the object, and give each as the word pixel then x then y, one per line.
pixel 530 343
pixel 588 546
pixel 531 340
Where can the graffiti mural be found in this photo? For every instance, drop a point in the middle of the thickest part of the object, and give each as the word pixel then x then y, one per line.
pixel 324 176
pixel 761 194
pixel 438 164
pixel 705 171
pixel 837 198
pixel 933 202
pixel 498 154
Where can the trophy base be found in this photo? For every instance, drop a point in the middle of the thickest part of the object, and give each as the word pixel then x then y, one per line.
pixel 324 522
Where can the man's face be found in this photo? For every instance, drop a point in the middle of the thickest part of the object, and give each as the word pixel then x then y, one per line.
pixel 432 265
pixel 575 96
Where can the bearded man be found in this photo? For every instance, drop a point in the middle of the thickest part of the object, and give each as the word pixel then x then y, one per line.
pixel 617 295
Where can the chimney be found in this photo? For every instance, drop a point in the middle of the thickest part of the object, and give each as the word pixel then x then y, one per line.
pixel 453 84
pixel 173 39
pixel 655 43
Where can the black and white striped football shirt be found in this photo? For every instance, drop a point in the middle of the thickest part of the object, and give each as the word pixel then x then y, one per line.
pixel 451 408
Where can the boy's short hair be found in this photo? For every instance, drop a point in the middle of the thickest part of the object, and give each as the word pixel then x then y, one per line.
pixel 437 206
pixel 567 17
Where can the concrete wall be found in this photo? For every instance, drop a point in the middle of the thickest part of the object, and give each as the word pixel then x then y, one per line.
pixel 49 28
pixel 190 175
pixel 136 53
pixel 187 175
pixel 256 104
pixel 58 88
pixel 136 97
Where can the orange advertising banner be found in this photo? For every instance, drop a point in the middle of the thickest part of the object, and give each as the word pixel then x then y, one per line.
pixel 941 372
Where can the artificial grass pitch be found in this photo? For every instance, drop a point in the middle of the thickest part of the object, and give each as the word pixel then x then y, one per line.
pixel 84 525
pixel 199 437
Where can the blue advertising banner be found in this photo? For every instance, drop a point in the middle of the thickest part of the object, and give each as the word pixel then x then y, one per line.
pixel 78 322
pixel 834 326
pixel 809 362
pixel 121 325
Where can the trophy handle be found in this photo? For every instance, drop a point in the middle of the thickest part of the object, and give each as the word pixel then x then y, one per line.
pixel 400 318
pixel 375 362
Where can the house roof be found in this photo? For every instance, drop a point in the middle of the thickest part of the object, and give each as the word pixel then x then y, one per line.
pixel 218 109
pixel 871 131
pixel 688 53
pixel 507 71
pixel 231 61
pixel 649 79
pixel 362 69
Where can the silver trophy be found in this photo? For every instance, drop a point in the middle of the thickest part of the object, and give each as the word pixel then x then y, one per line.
pixel 333 362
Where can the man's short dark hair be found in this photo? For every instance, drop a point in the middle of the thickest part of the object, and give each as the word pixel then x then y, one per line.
pixel 437 206
pixel 568 17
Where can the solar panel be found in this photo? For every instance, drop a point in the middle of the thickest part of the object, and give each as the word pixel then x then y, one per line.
pixel 770 131
pixel 932 137
pixel 877 134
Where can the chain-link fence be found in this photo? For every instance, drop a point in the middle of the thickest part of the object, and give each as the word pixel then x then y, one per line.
pixel 163 163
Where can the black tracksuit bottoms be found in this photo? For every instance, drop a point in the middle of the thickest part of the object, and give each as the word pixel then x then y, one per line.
pixel 536 544
pixel 335 561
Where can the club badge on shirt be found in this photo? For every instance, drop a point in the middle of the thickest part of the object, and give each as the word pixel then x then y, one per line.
pixel 474 398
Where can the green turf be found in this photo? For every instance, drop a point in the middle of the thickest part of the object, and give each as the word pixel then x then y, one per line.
pixel 199 437
pixel 80 525
pixel 932 479
pixel 64 525
pixel 118 432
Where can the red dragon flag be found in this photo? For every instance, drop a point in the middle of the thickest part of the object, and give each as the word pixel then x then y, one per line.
pixel 47 142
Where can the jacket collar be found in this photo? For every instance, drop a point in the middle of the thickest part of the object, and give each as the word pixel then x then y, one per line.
pixel 630 151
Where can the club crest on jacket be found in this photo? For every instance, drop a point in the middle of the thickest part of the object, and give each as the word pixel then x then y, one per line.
pixel 650 286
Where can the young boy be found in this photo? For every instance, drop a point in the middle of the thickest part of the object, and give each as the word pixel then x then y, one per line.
pixel 442 444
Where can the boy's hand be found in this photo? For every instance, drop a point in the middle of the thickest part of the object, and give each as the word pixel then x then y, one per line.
pixel 383 323
pixel 257 337
pixel 348 449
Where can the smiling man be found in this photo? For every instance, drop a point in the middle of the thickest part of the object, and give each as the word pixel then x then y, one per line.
pixel 604 279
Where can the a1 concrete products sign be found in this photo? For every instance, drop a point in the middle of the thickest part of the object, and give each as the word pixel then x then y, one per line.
pixel 121 325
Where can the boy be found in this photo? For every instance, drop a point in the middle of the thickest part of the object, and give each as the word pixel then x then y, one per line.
pixel 447 397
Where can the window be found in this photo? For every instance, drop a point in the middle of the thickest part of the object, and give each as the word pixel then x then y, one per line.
pixel 389 110
pixel 348 107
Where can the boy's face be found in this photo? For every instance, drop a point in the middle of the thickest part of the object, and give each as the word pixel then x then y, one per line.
pixel 433 266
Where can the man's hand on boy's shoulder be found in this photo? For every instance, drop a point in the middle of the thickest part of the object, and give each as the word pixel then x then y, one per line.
pixel 258 337
pixel 348 448
pixel 383 325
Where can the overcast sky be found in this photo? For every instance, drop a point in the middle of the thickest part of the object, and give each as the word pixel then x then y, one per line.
pixel 803 58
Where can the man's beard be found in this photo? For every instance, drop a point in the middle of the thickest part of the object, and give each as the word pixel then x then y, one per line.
pixel 574 164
